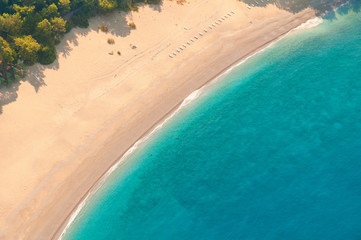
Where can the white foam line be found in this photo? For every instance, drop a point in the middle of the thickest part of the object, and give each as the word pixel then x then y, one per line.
pixel 74 215
pixel 194 95
pixel 309 24
pixel 191 97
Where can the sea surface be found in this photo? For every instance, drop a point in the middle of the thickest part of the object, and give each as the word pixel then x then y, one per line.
pixel 271 150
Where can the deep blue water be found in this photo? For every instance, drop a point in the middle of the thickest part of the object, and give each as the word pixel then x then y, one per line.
pixel 271 151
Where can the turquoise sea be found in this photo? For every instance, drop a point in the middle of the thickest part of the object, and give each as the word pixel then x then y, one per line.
pixel 272 150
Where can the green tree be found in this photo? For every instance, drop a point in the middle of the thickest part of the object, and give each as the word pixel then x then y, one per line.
pixel 76 3
pixel 64 6
pixel 10 24
pixel 30 23
pixel 23 11
pixel 91 5
pixel 58 27
pixel 47 54
pixel 27 48
pixel 7 55
pixel 126 4
pixel 50 12
pixel 44 31
pixel 39 4
pixel 6 52
pixel 107 5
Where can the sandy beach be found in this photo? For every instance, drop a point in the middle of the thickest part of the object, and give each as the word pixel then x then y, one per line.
pixel 67 123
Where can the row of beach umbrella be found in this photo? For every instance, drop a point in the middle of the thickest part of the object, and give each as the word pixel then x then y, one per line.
pixel 210 26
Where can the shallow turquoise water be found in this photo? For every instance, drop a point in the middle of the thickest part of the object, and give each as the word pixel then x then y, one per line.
pixel 272 151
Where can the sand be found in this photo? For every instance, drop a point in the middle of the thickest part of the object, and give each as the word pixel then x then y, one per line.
pixel 67 123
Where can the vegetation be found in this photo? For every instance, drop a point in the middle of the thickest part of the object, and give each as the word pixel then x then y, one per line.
pixel 111 41
pixel 181 2
pixel 30 29
pixel 103 28
pixel 132 25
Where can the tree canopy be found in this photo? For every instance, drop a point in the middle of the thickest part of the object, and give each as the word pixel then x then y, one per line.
pixel 7 54
pixel 27 48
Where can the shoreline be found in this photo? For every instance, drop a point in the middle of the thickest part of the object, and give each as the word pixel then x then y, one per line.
pixel 58 235
pixel 86 121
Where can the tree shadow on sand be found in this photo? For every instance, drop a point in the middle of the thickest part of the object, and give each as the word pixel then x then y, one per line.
pixel 117 26
pixel 155 7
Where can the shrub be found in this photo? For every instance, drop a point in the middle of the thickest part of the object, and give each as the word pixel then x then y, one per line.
pixel 181 2
pixel 111 41
pixel 103 28
pixel 132 25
